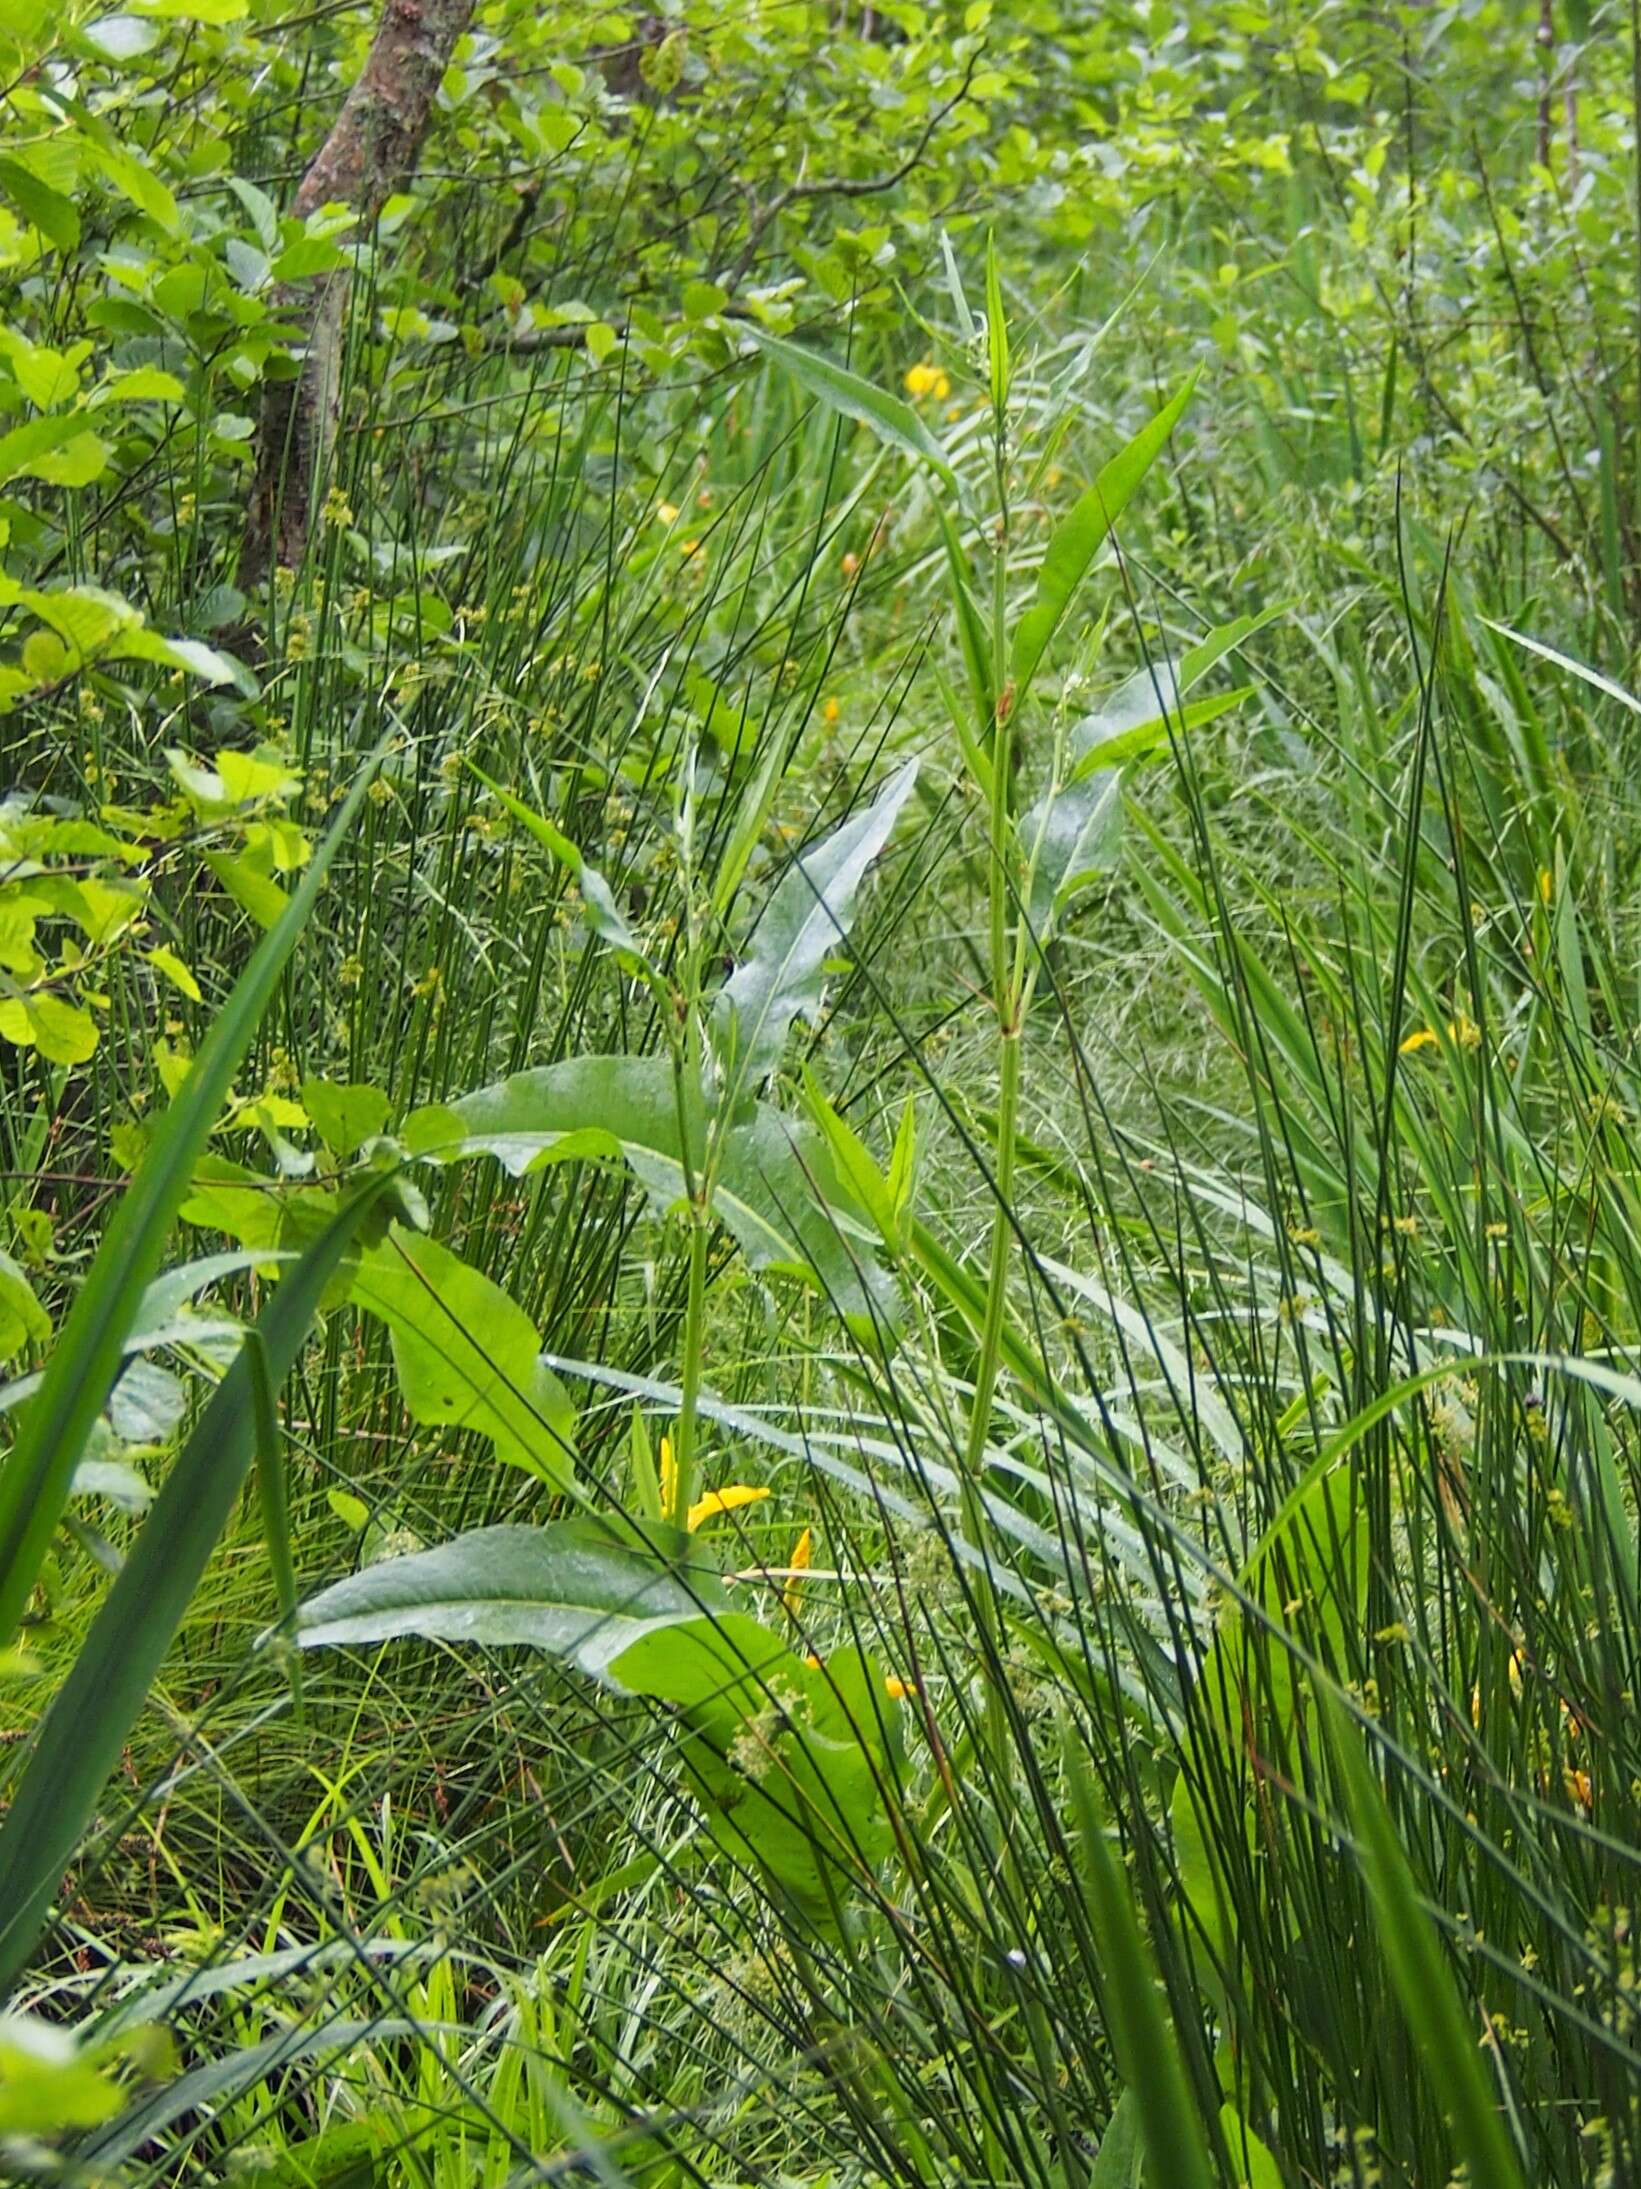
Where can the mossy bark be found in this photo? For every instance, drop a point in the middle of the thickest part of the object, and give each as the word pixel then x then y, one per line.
pixel 373 145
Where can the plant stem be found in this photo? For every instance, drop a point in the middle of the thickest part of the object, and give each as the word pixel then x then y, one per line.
pixel 1007 998
pixel 683 1484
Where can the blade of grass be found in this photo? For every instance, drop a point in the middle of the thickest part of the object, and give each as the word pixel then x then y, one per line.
pixel 1175 2147
pixel 1423 1982
pixel 92 1714
pixel 34 1484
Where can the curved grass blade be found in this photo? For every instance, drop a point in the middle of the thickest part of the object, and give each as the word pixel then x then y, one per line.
pixel 92 1714
pixel 34 1482
pixel 1176 2150
pixel 1423 1982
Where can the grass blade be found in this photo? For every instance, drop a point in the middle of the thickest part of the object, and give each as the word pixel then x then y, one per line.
pixel 1176 2149
pixel 35 1482
pixel 1423 1982
pixel 93 1712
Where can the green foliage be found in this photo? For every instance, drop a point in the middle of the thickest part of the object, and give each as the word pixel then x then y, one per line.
pixel 948 1145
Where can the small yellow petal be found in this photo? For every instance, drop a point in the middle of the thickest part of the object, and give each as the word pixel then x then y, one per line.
pixel 896 1688
pixel 832 710
pixel 1425 1038
pixel 802 1552
pixel 729 1499
pixel 669 1478
pixel 667 512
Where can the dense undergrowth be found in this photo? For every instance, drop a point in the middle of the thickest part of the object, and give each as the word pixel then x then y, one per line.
pixel 819 1238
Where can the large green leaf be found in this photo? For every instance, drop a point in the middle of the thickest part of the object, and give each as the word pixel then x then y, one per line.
pixel 467 1356
pixel 1080 536
pixel 791 1760
pixel 808 916
pixel 90 1719
pixel 1176 2149
pixel 575 1589
pixel 34 1482
pixel 776 1192
pixel 1070 836
pixel 852 397
pixel 1446 2034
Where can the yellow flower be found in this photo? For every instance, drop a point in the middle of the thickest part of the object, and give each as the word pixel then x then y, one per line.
pixel 689 547
pixel 928 379
pixel 1461 1031
pixel 1546 883
pixel 1580 1789
pixel 802 1551
pixel 727 1500
pixel 897 1689
pixel 667 512
pixel 832 710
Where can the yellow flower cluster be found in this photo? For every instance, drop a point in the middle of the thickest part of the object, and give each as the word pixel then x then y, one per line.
pixel 1461 1031
pixel 928 379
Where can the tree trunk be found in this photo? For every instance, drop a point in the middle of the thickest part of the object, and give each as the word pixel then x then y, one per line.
pixel 372 146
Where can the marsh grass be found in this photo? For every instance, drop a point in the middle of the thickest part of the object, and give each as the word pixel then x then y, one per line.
pixel 1269 1755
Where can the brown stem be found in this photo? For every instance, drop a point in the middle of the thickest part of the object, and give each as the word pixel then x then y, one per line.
pixel 372 146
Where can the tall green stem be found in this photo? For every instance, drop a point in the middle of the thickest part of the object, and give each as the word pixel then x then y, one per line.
pixel 1007 998
pixel 683 1481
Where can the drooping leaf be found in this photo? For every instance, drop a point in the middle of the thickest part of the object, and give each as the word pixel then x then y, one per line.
pixel 467 1356
pixel 790 1760
pixel 809 915
pixel 852 397
pixel 777 1192
pixel 574 1589
pixel 1080 536
pixel 794 1762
